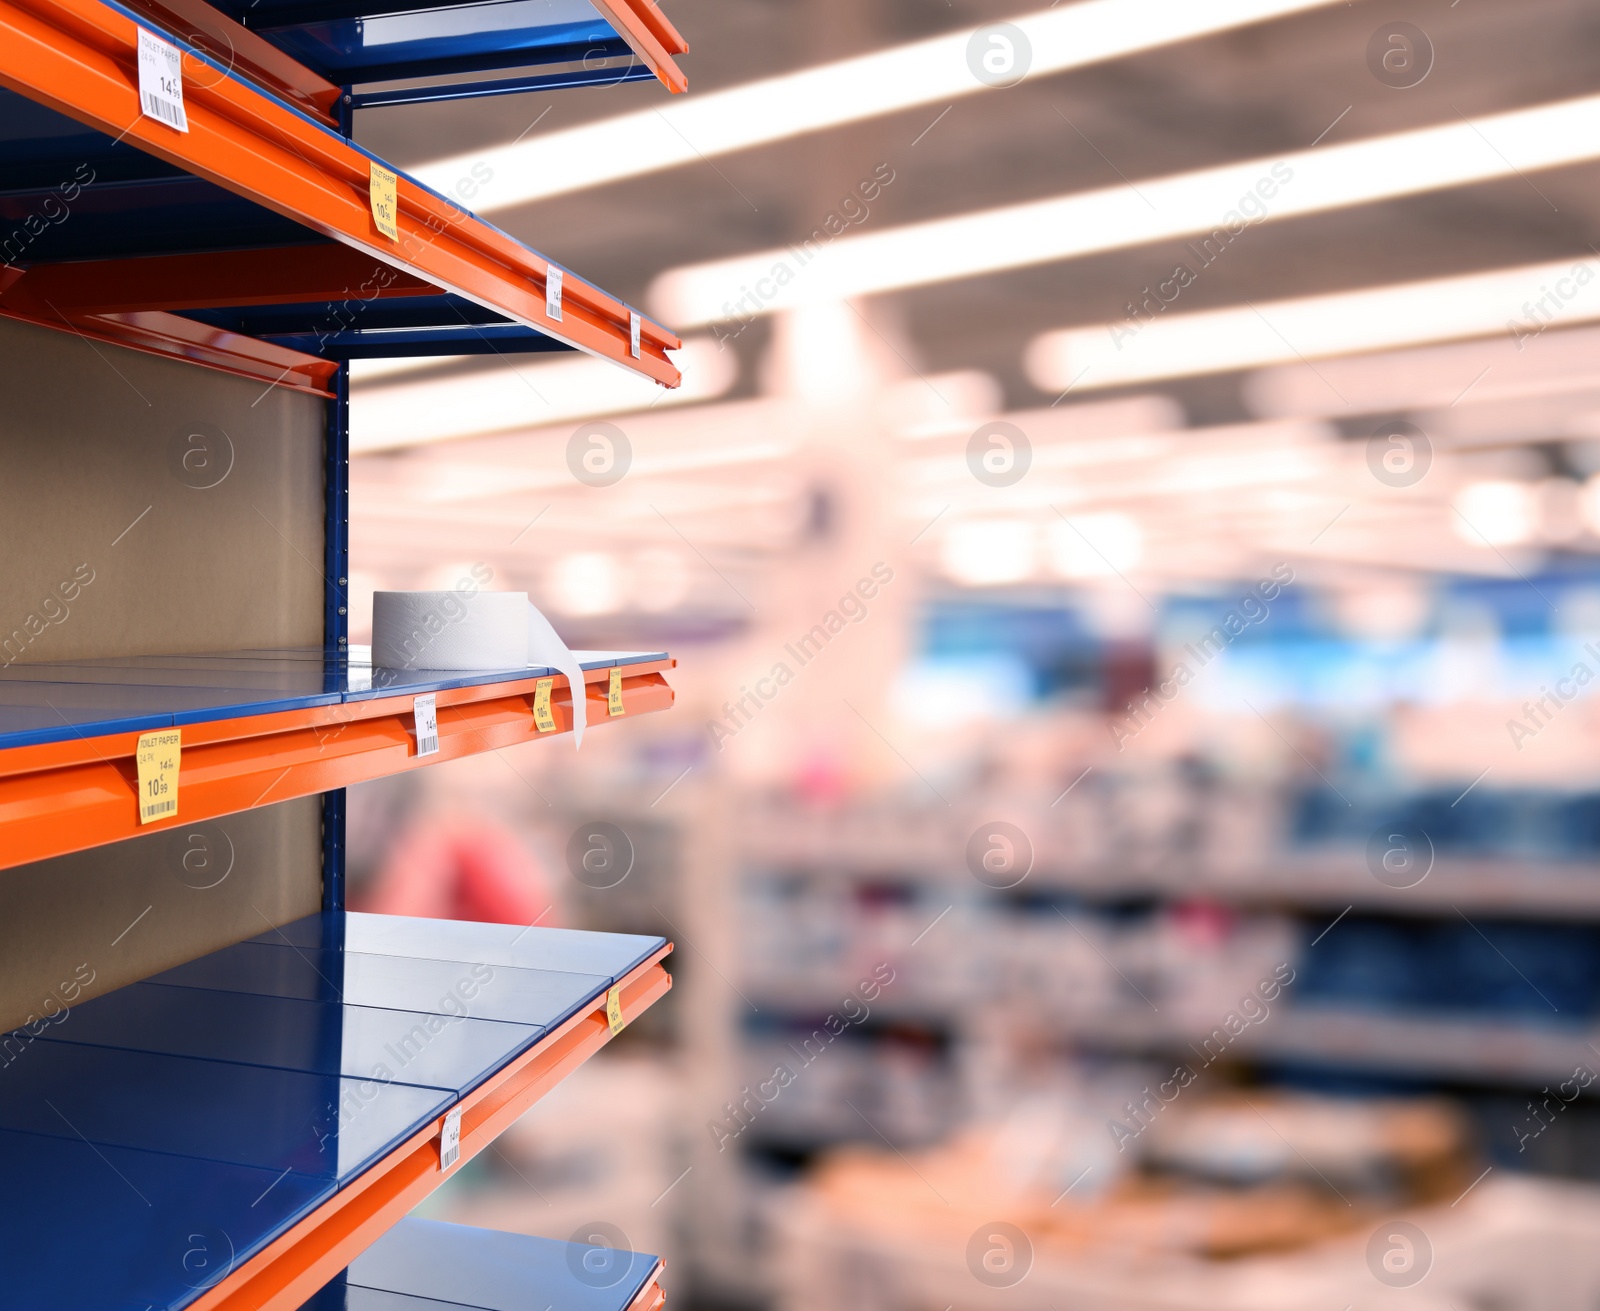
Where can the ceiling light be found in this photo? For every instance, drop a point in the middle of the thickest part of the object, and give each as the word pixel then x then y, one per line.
pixel 1435 377
pixel 508 397
pixel 1516 303
pixel 1589 504
pixel 776 108
pixel 585 583
pixel 986 552
pixel 1184 205
pixel 1095 545
pixel 1495 513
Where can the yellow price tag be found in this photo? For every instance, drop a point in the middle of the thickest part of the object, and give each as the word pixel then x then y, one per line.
pixel 614 1010
pixel 541 705
pixel 157 757
pixel 614 693
pixel 385 204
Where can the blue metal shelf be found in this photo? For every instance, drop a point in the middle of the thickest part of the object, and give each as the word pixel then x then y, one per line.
pixel 232 1096
pixel 360 42
pixel 369 42
pixel 69 192
pixel 52 702
pixel 444 1267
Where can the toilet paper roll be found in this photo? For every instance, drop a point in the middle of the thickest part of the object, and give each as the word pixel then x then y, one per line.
pixel 450 630
pixel 472 631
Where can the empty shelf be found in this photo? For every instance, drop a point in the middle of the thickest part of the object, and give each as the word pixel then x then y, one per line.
pixel 425 1265
pixel 281 1102
pixel 258 728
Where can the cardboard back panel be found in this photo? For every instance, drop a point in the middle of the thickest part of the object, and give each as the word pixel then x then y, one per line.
pixel 76 926
pixel 180 509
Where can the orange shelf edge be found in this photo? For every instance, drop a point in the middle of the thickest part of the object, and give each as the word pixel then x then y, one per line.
pixel 651 1297
pixel 69 796
pixel 286 1273
pixel 652 37
pixel 79 57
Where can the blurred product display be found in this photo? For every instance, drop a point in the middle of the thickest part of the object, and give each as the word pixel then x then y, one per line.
pixel 1144 1249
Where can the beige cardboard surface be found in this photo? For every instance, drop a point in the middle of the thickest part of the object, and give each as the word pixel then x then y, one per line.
pixel 77 926
pixel 151 506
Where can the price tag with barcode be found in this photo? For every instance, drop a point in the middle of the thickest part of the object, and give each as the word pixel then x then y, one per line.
pixel 157 756
pixel 385 203
pixel 633 334
pixel 426 713
pixel 614 1010
pixel 552 293
pixel 542 717
pixel 450 1140
pixel 161 81
pixel 614 694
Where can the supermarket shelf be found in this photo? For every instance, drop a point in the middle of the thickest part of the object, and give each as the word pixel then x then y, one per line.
pixel 1335 880
pixel 258 728
pixel 1322 881
pixel 443 46
pixel 436 1266
pixel 284 1098
pixel 258 204
pixel 308 55
pixel 1479 1050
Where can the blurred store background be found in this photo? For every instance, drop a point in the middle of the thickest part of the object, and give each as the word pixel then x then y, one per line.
pixel 1130 534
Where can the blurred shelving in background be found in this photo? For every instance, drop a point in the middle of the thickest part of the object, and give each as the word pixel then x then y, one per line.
pixel 1073 689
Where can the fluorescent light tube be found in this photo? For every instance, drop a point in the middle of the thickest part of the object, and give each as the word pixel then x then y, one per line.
pixel 1220 203
pixel 1515 303
pixel 512 397
pixel 773 109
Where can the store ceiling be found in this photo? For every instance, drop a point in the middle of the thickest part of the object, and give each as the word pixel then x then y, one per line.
pixel 1274 87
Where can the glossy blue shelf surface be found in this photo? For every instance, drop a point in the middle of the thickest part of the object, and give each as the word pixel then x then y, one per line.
pixel 88 1225
pixel 477 991
pixel 273 1119
pixel 286 1033
pixel 230 1096
pixel 57 701
pixel 569 950
pixel 449 1265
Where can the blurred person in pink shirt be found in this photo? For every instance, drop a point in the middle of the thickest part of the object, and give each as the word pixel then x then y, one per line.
pixel 461 866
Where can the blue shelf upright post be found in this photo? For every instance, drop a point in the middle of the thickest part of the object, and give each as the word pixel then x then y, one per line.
pixel 336 614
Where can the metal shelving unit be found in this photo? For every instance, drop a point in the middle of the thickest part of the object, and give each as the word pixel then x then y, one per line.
pixel 186 206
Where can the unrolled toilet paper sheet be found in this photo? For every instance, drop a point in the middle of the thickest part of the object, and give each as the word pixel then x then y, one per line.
pixel 472 631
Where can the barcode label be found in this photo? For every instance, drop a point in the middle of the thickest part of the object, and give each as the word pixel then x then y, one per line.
pixel 614 704
pixel 161 81
pixel 552 293
pixel 542 715
pixel 167 807
pixel 426 712
pixel 450 1140
pixel 633 334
